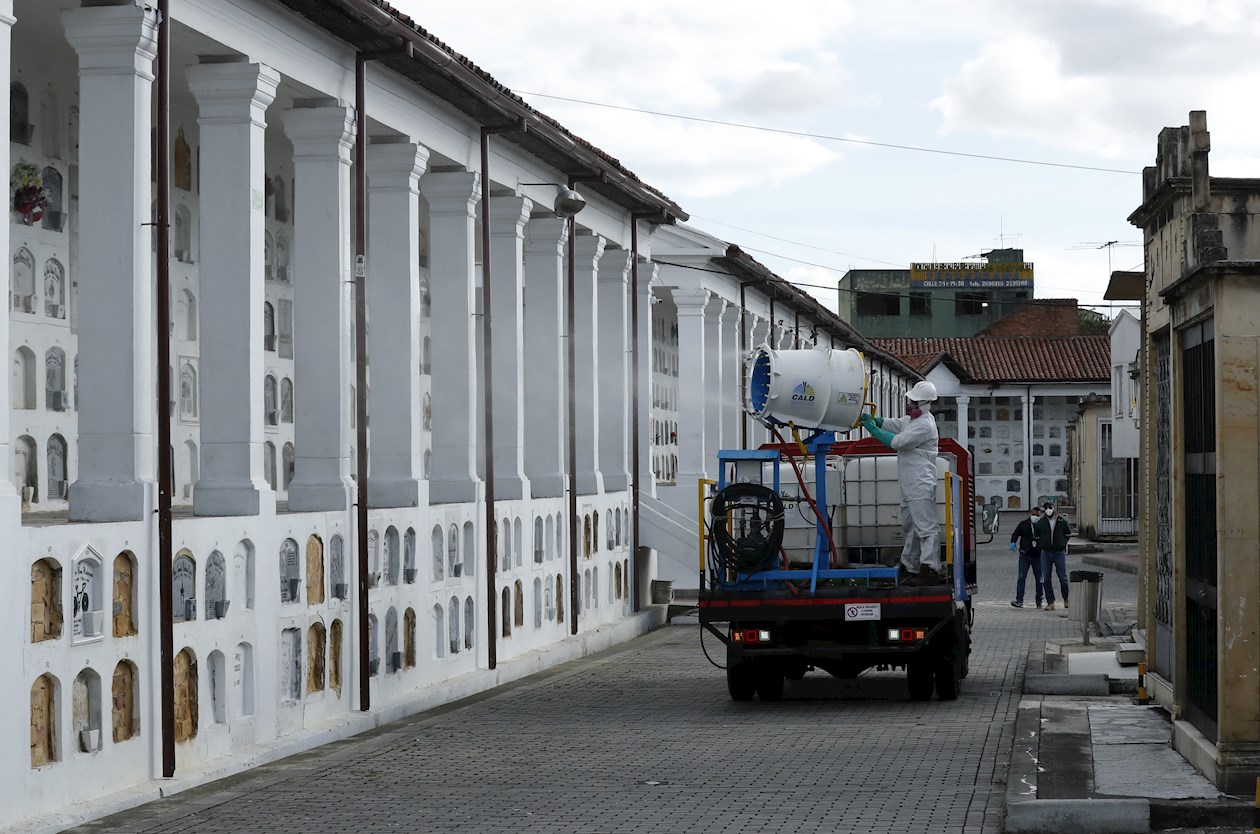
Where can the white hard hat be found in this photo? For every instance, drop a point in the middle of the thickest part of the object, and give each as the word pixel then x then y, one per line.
pixel 922 392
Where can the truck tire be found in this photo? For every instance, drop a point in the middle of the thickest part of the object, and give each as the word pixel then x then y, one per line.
pixel 741 679
pixel 770 681
pixel 949 674
pixel 919 679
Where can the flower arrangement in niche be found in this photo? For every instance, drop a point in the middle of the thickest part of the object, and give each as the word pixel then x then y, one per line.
pixel 30 198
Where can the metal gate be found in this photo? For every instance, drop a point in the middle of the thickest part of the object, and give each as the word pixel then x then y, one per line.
pixel 1118 479
pixel 1163 507
pixel 1199 410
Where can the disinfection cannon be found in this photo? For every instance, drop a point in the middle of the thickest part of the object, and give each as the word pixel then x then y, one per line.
pixel 813 389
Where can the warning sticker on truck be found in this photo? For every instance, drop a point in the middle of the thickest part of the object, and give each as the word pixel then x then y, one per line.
pixel 861 611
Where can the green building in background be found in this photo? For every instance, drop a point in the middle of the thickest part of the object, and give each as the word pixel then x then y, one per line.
pixel 936 299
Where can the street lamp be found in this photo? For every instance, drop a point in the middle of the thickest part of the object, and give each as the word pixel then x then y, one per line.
pixel 568 202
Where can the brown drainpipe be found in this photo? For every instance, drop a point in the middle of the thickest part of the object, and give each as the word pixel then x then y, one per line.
pixel 166 637
pixel 743 365
pixel 360 357
pixel 492 642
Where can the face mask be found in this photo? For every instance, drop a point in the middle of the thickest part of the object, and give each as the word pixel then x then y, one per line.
pixel 1034 518
pixel 913 410
pixel 1049 513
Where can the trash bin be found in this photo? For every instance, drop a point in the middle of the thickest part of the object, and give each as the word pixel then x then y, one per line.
pixel 1086 599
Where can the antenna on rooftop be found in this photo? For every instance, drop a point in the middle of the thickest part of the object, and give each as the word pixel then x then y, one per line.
pixel 1104 244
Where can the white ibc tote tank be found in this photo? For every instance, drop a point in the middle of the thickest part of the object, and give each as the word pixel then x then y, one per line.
pixel 813 388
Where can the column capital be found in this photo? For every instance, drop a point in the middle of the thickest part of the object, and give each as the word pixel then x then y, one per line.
pixel 232 93
pixel 452 192
pixel 648 272
pixel 321 132
pixel 396 166
pixel 544 235
pixel 588 248
pixel 614 266
pixel 962 399
pixel 509 214
pixel 692 302
pixel 716 307
pixel 112 40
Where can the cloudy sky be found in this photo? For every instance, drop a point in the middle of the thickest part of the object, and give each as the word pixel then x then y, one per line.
pixel 1085 83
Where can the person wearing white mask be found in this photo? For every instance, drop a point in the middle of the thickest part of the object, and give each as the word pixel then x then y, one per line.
pixel 1024 541
pixel 914 437
pixel 1052 537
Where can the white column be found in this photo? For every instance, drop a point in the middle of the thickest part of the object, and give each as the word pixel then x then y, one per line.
pixel 714 377
pixel 452 198
pixel 508 216
pixel 587 251
pixel 545 409
pixel 232 101
pixel 116 46
pixel 6 450
pixel 647 276
pixel 692 452
pixel 322 137
pixel 393 288
pixel 613 368
pixel 962 403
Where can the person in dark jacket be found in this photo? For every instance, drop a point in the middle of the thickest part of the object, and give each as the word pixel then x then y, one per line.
pixel 1052 534
pixel 1024 541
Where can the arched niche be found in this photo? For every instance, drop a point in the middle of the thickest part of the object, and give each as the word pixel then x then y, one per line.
pixel 243 573
pixel 315 651
pixel 184 587
pixel 374 650
pixel 409 556
pixel 454 624
pixel 337 567
pixel 518 605
pixel 186 316
pixel 22 282
pixel 291 664
pixel 216 598
pixel 188 407
pixel 54 218
pixel 559 598
pixel 186 711
pixel 470 622
pixel 23 379
pixel 505 613
pixel 218 687
pixel 58 479
pixel 518 543
pixel 314 570
pixel 391 555
pixel 290 572
pixel 269 326
pixel 46 612
pixel 393 657
pixel 452 551
pixel 438 551
pixel 20 128
pixel 271 413
pixel 374 558
pixel 54 289
pixel 269 463
pixel 286 400
pixel 439 631
pixel 124 700
pixel 124 594
pixel 470 551
pixel 284 274
pixel 505 544
pixel 538 540
pixel 45 705
pixel 183 237
pixel 334 657
pixel 538 602
pixel 409 638
pixel 287 463
pixel 243 660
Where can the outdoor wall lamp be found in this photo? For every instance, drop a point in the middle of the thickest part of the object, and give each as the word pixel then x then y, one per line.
pixel 568 202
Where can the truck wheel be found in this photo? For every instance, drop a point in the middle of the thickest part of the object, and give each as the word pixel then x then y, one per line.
pixel 770 682
pixel 741 679
pixel 919 679
pixel 949 675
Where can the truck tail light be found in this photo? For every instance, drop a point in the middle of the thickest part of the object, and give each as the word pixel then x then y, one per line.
pixel 906 635
pixel 751 635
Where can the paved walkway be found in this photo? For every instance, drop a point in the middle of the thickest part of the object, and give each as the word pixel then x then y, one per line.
pixel 645 739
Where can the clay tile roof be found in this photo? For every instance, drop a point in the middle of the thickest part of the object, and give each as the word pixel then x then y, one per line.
pixel 1027 359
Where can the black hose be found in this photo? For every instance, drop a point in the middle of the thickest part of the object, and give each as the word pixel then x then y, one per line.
pixel 759 538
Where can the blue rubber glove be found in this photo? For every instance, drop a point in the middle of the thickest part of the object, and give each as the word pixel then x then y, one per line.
pixel 879 421
pixel 866 421
pixel 1014 546
pixel 885 437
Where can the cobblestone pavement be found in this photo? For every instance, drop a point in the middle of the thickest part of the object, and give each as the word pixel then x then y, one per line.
pixel 645 739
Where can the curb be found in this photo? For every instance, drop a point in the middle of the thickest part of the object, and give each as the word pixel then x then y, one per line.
pixel 1197 813
pixel 1087 685
pixel 1079 816
pixel 1110 564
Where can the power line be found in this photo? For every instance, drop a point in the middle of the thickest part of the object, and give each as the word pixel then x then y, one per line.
pixel 797 243
pixel 824 136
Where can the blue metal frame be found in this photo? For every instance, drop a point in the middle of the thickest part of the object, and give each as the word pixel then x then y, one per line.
pixel 819 445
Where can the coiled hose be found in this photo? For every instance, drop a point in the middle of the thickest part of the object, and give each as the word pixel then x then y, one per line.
pixel 750 541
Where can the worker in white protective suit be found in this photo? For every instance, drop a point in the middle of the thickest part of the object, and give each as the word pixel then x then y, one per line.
pixel 914 437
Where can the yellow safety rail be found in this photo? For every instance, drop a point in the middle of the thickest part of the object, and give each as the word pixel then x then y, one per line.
pixel 949 518
pixel 700 486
